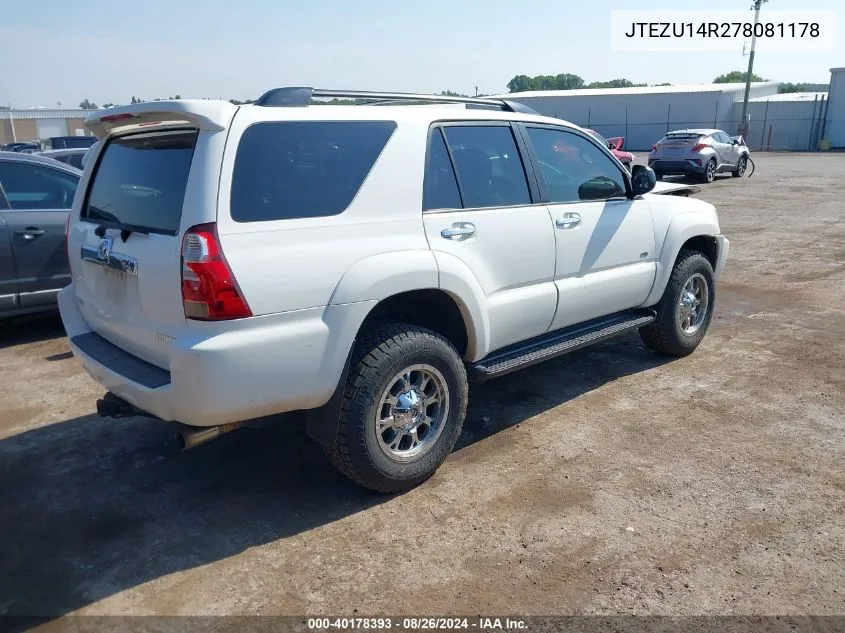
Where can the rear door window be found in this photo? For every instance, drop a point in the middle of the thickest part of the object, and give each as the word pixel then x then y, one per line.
pixel 489 167
pixel 303 169
pixel 140 181
pixel 31 187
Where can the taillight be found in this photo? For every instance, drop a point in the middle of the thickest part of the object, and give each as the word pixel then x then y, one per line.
pixel 111 118
pixel 209 291
pixel 698 147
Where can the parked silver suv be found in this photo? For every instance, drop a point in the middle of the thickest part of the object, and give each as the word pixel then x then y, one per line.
pixel 703 153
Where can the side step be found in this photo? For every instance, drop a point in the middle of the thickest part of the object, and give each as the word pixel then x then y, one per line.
pixel 557 343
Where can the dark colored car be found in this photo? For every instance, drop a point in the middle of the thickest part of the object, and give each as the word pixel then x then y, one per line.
pixel 36 194
pixel 20 146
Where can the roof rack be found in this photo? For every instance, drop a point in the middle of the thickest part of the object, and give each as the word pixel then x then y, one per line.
pixel 302 96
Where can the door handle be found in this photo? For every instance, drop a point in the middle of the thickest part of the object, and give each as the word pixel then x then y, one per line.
pixel 568 221
pixel 459 230
pixel 30 233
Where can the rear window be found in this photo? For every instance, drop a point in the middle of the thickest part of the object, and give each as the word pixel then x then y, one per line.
pixel 303 169
pixel 140 181
pixel 681 136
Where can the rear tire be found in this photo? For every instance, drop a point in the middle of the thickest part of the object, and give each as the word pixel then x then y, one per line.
pixel 397 370
pixel 685 309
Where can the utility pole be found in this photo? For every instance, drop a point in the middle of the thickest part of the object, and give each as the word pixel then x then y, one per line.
pixel 12 124
pixel 476 91
pixel 756 6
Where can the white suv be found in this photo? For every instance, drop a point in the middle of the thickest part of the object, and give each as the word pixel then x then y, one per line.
pixel 361 262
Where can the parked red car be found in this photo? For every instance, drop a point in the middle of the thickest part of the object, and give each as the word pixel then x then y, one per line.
pixel 615 145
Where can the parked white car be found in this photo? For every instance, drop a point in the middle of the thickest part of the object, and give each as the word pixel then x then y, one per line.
pixel 362 263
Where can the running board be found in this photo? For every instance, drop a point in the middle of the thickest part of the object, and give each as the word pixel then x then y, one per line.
pixel 557 343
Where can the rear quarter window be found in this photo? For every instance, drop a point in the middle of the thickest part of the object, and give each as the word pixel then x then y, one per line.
pixel 303 169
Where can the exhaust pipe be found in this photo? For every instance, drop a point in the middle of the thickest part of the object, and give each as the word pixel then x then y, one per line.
pixel 191 436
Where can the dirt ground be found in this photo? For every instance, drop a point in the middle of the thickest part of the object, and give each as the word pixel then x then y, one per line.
pixel 610 481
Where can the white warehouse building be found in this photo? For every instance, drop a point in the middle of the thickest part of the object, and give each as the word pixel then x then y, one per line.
pixel 786 122
pixel 644 114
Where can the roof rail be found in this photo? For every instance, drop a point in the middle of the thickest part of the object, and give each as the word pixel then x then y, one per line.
pixel 302 96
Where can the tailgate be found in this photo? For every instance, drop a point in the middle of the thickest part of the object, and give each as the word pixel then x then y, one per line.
pixel 125 246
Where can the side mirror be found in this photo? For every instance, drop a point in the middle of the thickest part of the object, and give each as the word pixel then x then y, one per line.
pixel 599 188
pixel 643 179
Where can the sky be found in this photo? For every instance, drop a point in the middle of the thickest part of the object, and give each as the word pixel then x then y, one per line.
pixel 62 51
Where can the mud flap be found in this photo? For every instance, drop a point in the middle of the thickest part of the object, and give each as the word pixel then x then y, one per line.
pixel 321 424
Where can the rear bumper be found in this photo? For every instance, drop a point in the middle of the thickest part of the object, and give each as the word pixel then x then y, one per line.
pixel 261 366
pixel 675 167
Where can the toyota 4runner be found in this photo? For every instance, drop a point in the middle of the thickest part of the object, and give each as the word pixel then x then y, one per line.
pixel 362 262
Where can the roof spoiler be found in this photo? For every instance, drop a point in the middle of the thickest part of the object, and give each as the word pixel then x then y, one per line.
pixel 204 114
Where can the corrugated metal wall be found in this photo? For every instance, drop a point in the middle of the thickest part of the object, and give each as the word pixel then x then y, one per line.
pixel 784 125
pixel 645 117
pixel 835 127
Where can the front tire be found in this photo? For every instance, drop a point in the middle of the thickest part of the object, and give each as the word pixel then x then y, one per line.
pixel 740 167
pixel 403 407
pixel 686 308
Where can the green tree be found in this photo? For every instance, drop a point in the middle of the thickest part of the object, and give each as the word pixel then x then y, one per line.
pixel 788 87
pixel 521 83
pixel 802 87
pixel 565 81
pixel 614 83
pixel 87 105
pixel 562 81
pixel 451 93
pixel 736 77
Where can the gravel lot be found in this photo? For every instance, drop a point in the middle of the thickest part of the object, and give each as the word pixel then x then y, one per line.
pixel 610 481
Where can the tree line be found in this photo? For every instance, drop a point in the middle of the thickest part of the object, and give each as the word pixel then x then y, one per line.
pixel 566 81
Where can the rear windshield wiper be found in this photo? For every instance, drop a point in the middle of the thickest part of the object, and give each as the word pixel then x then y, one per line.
pixel 125 230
